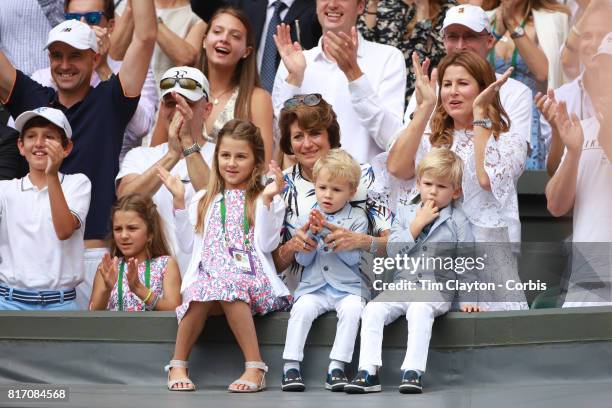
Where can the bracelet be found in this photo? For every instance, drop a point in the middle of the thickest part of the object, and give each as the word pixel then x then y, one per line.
pixel 153 304
pixel 576 31
pixel 148 296
pixel 371 12
pixel 496 36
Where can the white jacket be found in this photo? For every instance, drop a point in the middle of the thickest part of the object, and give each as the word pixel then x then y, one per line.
pixel 268 224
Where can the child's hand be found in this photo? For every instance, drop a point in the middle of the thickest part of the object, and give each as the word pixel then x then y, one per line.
pixel 316 221
pixel 470 308
pixel 132 276
pixel 427 213
pixel 55 156
pixel 174 185
pixel 109 271
pixel 301 242
pixel 276 186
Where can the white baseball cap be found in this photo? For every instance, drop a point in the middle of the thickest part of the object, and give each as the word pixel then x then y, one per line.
pixel 473 17
pixel 202 88
pixel 74 33
pixel 606 46
pixel 54 116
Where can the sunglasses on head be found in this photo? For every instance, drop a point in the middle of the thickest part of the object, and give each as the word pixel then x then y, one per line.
pixel 91 18
pixel 185 83
pixel 308 100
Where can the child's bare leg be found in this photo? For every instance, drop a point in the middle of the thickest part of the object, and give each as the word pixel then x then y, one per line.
pixel 240 320
pixel 189 330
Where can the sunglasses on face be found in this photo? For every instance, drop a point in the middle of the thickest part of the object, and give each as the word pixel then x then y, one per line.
pixel 185 83
pixel 308 100
pixel 91 18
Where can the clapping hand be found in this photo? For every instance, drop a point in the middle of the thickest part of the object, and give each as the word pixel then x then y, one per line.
pixel 174 184
pixel 108 270
pixel 547 105
pixel 134 282
pixel 485 98
pixel 55 156
pixel 291 53
pixel 316 221
pixel 570 129
pixel 424 88
pixel 343 49
pixel 274 187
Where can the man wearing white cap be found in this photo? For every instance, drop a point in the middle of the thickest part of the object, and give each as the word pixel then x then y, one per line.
pixel 467 27
pixel 583 182
pixel 98 115
pixel 42 217
pixel 187 154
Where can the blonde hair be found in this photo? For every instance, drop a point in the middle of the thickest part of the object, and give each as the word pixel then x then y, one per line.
pixel 340 165
pixel 237 129
pixel 442 163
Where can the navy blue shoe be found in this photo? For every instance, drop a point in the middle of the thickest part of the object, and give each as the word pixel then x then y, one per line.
pixel 292 381
pixel 363 383
pixel 411 383
pixel 336 381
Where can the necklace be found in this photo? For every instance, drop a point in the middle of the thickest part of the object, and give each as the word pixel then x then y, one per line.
pixel 216 98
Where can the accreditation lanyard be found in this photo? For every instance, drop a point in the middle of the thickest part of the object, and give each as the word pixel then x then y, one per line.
pixel 120 281
pixel 245 222
pixel 515 53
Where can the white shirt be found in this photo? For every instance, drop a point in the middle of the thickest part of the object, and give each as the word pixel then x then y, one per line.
pixel 369 109
pixel 577 100
pixel 32 257
pixel 516 99
pixel 139 160
pixel 264 32
pixel 592 205
pixel 144 117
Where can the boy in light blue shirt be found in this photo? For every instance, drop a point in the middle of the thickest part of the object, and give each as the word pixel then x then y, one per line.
pixel 331 279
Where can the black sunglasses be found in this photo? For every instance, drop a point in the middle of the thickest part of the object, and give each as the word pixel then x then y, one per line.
pixel 91 18
pixel 308 100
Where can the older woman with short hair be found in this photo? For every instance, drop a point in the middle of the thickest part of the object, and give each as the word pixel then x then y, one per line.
pixel 309 129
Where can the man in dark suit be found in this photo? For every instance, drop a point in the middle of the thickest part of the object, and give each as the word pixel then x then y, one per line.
pixel 301 15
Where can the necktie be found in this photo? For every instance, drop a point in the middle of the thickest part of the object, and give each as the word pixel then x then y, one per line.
pixel 268 61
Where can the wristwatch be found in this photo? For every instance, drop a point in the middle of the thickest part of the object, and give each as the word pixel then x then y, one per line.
pixel 518 32
pixel 194 148
pixel 485 123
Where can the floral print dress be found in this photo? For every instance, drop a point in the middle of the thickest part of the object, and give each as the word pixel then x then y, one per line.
pixel 219 279
pixel 131 302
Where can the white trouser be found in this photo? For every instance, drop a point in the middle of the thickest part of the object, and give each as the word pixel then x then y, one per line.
pixel 308 307
pixel 91 259
pixel 420 317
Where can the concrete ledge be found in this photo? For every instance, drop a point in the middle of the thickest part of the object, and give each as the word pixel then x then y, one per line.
pixel 455 330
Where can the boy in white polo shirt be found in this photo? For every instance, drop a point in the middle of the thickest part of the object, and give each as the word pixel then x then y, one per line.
pixel 42 219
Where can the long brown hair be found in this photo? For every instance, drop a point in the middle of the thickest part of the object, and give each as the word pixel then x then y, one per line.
pixel 157 245
pixel 442 124
pixel 237 129
pixel 245 75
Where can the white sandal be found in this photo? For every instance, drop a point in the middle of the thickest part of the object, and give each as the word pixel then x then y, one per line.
pixel 252 387
pixel 184 380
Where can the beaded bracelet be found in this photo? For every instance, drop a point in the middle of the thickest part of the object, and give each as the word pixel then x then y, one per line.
pixel 153 304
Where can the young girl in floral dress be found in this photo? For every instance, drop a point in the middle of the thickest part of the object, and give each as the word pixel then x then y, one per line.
pixel 237 225
pixel 141 275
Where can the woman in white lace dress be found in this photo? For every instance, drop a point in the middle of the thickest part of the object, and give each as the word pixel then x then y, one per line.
pixel 469 119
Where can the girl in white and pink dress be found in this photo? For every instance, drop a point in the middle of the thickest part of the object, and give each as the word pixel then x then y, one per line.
pixel 237 225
